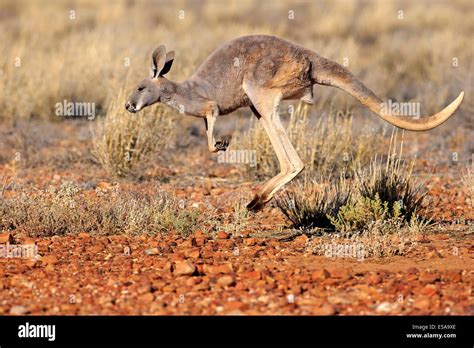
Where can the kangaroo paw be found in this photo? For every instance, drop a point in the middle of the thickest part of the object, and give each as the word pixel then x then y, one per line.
pixel 256 204
pixel 222 144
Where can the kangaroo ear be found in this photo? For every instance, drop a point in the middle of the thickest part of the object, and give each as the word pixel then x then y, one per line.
pixel 158 60
pixel 168 62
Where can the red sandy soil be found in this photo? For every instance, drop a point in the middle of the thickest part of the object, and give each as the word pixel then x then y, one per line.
pixel 203 274
pixel 248 274
pixel 222 275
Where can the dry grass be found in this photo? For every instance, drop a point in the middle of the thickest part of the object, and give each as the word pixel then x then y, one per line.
pixel 69 209
pixel 86 58
pixel 383 196
pixel 468 180
pixel 379 241
pixel 123 143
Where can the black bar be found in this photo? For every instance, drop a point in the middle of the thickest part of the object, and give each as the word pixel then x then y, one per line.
pixel 138 330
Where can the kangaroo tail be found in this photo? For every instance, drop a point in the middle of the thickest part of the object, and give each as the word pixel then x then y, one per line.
pixel 326 72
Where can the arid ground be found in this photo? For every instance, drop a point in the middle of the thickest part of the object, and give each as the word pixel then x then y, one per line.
pixel 130 214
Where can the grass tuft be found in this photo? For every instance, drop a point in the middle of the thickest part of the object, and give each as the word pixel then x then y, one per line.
pixel 124 143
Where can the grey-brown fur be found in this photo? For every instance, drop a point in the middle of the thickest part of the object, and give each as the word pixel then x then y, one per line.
pixel 258 72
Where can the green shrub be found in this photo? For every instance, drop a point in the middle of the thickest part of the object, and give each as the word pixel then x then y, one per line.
pixel 385 192
pixel 361 213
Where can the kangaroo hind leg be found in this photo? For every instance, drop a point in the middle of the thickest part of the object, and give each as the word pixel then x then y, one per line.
pixel 265 107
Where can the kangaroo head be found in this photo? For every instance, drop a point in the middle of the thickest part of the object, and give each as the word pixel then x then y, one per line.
pixel 155 88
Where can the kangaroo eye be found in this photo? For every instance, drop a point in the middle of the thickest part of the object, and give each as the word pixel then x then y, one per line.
pixel 140 89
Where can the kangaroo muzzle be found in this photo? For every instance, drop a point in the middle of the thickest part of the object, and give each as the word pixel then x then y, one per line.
pixel 131 107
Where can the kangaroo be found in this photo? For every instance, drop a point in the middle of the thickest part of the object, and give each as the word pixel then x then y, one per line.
pixel 260 71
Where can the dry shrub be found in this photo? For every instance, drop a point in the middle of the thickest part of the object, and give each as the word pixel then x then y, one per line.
pixel 383 198
pixel 124 142
pixel 468 181
pixel 327 146
pixel 234 222
pixel 310 205
pixel 385 192
pixel 70 209
pixel 380 240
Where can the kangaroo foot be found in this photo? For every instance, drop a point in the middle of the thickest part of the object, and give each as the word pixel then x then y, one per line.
pixel 223 143
pixel 256 204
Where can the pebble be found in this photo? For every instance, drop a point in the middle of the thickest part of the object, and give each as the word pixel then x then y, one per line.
pixel 18 310
pixel 222 235
pixel 320 274
pixel 226 280
pixel 183 268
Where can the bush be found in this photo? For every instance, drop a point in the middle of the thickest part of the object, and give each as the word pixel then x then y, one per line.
pixel 393 185
pixel 310 206
pixel 124 143
pixel 383 193
pixel 468 181
pixel 70 209
pixel 361 213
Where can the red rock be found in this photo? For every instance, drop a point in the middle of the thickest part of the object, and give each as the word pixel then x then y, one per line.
pixel 187 243
pixel 325 309
pixel 183 268
pixel 342 274
pixel 234 305
pixel 451 276
pixel 97 248
pixel 204 285
pixel 193 253
pixel 301 240
pixel 374 279
pixel 216 269
pixel 50 268
pixel 6 238
pixel 28 241
pixel 250 241
pixel 427 278
pixel 422 303
pixel 434 255
pixel 49 260
pixel 320 274
pixel 226 280
pixel 147 298
pixel 256 275
pixel 200 241
pixel 191 281
pixel 103 185
pixel 200 234
pixel 178 256
pixel 429 290
pixel 222 235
